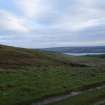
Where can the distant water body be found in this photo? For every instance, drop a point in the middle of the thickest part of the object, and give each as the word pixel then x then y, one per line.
pixel 83 54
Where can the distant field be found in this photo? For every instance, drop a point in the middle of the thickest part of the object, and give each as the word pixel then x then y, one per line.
pixel 27 76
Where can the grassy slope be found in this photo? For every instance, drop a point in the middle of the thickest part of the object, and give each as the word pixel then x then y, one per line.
pixel 86 98
pixel 28 75
pixel 18 57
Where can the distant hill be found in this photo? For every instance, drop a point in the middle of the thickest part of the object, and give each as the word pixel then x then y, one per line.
pixel 94 49
pixel 12 57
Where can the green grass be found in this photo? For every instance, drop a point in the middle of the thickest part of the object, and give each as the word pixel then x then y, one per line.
pixel 27 76
pixel 86 98
pixel 33 84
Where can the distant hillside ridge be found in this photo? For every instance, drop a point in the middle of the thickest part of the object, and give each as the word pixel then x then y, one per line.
pixel 93 49
pixel 12 57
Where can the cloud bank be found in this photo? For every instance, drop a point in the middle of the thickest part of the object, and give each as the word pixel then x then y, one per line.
pixel 51 23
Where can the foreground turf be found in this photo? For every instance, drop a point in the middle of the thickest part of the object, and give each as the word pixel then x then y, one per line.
pixel 26 86
pixel 86 98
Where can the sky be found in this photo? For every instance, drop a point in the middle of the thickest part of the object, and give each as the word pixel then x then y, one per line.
pixel 52 23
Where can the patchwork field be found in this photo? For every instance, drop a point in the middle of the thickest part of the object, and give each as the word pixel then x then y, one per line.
pixel 31 76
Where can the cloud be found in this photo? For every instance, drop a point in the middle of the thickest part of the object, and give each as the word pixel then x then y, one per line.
pixel 70 15
pixel 53 22
pixel 34 8
pixel 82 14
pixel 27 7
pixel 9 22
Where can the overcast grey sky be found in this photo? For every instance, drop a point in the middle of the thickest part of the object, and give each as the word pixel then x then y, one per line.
pixel 52 23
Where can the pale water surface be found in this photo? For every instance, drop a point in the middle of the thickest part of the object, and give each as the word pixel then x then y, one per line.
pixel 83 54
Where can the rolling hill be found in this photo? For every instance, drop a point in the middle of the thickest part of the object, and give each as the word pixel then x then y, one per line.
pixel 92 49
pixel 17 57
pixel 29 77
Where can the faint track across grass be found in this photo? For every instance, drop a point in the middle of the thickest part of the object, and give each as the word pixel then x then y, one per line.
pixel 55 99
